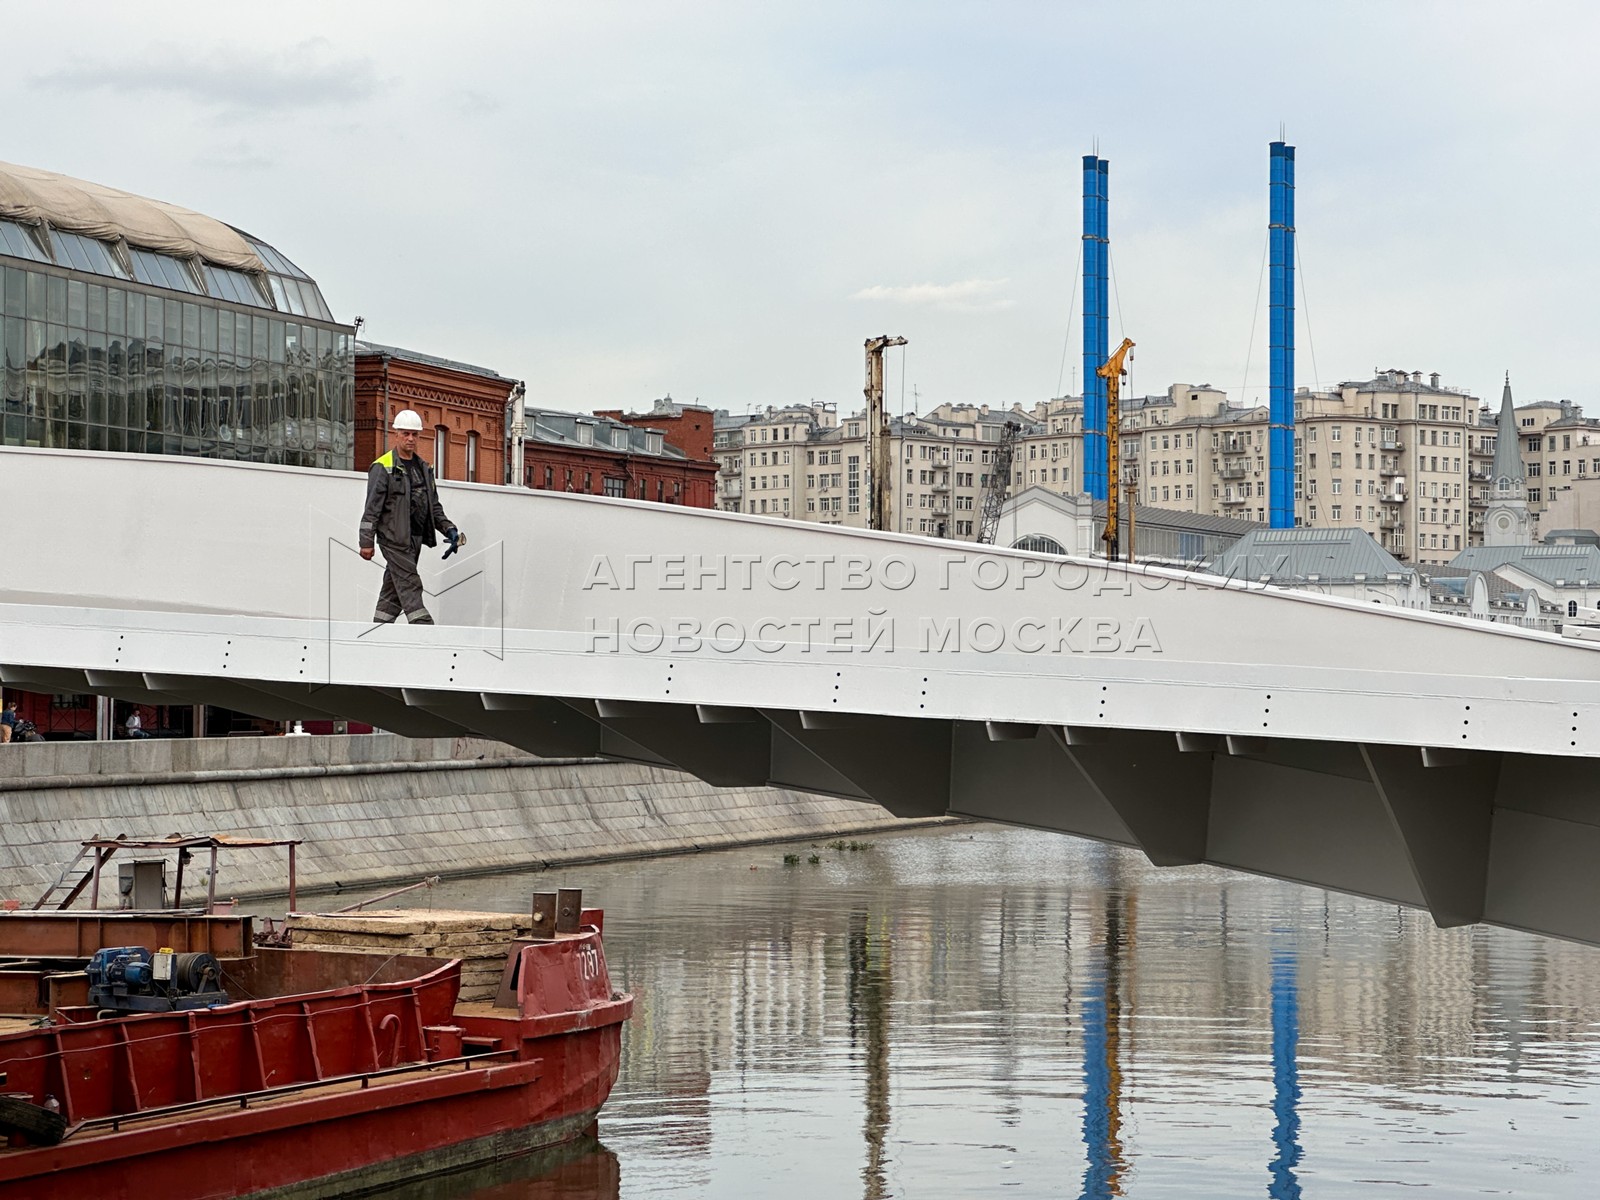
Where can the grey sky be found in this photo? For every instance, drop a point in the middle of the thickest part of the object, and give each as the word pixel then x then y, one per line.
pixel 723 200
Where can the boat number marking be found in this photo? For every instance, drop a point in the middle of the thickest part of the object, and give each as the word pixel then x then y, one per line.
pixel 588 962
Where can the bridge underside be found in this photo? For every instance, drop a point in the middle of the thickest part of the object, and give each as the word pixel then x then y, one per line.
pixel 1472 836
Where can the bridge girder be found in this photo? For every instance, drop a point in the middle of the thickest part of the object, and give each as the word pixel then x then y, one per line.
pixel 1425 760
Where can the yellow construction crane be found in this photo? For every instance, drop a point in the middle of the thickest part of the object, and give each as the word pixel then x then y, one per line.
pixel 878 433
pixel 1112 372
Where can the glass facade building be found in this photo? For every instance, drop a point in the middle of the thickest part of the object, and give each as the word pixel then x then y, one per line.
pixel 112 345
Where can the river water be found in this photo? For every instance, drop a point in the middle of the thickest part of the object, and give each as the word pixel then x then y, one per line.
pixel 972 1010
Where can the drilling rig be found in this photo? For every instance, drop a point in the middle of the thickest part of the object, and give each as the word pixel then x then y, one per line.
pixel 1112 371
pixel 878 432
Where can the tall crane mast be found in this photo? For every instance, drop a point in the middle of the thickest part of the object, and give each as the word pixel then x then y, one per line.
pixel 878 432
pixel 994 496
pixel 1112 371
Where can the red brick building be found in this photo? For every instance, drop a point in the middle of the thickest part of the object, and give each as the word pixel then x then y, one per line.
pixel 602 456
pixel 685 426
pixel 465 411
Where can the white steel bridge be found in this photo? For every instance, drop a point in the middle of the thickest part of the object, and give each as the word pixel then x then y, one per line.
pixel 1415 758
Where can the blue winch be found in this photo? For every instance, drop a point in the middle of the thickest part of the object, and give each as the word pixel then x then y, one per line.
pixel 133 979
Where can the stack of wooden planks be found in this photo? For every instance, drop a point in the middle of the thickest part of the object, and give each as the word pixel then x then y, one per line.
pixel 480 940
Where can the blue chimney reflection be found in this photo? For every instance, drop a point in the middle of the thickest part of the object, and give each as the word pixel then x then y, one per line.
pixel 1102 1072
pixel 1285 1078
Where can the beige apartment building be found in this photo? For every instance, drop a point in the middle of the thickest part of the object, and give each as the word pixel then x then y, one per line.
pixel 1187 449
pixel 727 449
pixel 942 463
pixel 1405 459
pixel 760 456
pixel 801 462
pixel 1399 455
pixel 1560 450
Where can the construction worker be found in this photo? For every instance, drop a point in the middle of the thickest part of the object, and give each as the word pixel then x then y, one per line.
pixel 401 515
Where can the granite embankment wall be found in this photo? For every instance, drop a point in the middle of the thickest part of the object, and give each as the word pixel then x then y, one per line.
pixel 376 809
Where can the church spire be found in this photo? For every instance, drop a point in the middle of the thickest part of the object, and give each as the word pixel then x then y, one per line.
pixel 1508 445
pixel 1508 521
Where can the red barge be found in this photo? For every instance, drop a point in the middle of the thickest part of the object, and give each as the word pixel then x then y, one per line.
pixel 324 1073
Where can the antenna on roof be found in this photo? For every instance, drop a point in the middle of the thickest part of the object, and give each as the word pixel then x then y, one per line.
pixel 358 323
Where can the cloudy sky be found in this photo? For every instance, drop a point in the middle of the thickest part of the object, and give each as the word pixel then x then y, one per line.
pixel 723 200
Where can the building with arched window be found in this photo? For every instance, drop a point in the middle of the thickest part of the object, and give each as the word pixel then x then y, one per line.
pixel 135 325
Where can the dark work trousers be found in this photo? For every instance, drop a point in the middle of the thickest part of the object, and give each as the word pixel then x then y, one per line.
pixel 402 586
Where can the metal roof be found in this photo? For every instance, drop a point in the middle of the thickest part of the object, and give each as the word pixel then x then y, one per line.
pixel 1183 522
pixel 1549 563
pixel 416 356
pixel 1508 444
pixel 1399 381
pixel 1456 581
pixel 1331 554
pixel 556 427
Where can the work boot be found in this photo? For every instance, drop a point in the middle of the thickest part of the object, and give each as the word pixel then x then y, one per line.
pixel 420 617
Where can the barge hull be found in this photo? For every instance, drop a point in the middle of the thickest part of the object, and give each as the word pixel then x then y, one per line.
pixel 355 1140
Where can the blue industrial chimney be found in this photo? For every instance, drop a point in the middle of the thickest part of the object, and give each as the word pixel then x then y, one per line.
pixel 1096 247
pixel 1280 445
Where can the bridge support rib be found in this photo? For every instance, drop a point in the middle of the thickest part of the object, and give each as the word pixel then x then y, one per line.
pixel 725 753
pixel 795 765
pixel 901 763
pixel 379 707
pixel 1161 792
pixel 1444 816
pixel 540 725
pixel 1129 788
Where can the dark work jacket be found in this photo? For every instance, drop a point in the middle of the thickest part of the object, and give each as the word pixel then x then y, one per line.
pixel 387 516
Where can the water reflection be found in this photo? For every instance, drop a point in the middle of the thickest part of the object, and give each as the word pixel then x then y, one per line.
pixel 1102 1073
pixel 1285 1078
pixel 580 1170
pixel 870 993
pixel 974 1011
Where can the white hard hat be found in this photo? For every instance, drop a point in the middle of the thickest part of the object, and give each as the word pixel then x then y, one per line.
pixel 407 420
